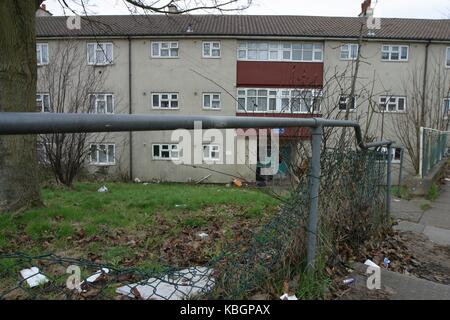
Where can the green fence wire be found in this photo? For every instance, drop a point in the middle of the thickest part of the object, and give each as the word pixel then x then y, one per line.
pixel 351 208
pixel 434 147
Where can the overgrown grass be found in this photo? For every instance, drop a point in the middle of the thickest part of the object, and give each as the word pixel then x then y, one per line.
pixel 433 193
pixel 402 192
pixel 130 222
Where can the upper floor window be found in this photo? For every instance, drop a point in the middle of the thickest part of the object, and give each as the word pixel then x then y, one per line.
pixel 396 154
pixel 392 104
pixel 211 49
pixel 43 102
pixel 103 154
pixel 100 53
pixel 447 108
pixel 165 151
pixel 165 49
pixel 279 100
pixel 101 103
pixel 42 53
pixel 344 100
pixel 394 53
pixel 280 51
pixel 211 101
pixel 447 58
pixel 349 51
pixel 165 100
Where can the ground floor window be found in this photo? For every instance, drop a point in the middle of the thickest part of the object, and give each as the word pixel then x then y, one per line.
pixel 396 154
pixel 392 104
pixel 344 100
pixel 165 151
pixel 103 154
pixel 43 102
pixel 211 152
pixel 447 108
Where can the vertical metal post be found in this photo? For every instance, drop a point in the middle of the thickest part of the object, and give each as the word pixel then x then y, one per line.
pixel 400 173
pixel 314 180
pixel 389 179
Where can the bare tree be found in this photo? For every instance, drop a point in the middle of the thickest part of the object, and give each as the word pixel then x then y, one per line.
pixel 71 86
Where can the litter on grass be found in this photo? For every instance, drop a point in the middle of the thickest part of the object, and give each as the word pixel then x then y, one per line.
pixel 183 284
pixel 103 189
pixel 33 277
pixel 288 297
pixel 202 235
pixel 370 263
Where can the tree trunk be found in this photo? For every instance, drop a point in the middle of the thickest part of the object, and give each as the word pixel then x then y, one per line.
pixel 19 184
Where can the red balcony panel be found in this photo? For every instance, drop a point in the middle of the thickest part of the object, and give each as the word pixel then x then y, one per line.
pixel 265 74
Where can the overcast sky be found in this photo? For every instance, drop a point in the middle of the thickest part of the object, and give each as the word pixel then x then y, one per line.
pixel 436 9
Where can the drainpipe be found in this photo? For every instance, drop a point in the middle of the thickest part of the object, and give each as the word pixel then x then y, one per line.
pixel 130 110
pixel 424 95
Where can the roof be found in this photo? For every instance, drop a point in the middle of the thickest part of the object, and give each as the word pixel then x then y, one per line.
pixel 242 25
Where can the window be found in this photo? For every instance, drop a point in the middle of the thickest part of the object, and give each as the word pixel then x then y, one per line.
pixel 42 53
pixel 211 49
pixel 349 52
pixel 211 152
pixel 447 108
pixel 165 152
pixel 396 154
pixel 447 60
pixel 165 49
pixel 279 100
pixel 165 100
pixel 103 154
pixel 211 101
pixel 101 103
pixel 43 102
pixel 394 53
pixel 100 53
pixel 344 100
pixel 280 51
pixel 392 104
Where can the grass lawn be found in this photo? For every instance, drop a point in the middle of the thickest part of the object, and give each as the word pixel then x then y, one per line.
pixel 136 225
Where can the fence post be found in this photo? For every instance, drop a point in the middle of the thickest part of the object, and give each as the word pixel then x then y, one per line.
pixel 316 142
pixel 389 179
pixel 402 153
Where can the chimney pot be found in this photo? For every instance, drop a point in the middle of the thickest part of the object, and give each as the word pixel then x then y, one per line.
pixel 173 8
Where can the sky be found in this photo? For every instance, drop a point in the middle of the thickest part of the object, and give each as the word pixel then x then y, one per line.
pixel 432 9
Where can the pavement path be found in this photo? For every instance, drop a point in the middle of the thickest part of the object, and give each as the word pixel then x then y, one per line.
pixel 433 223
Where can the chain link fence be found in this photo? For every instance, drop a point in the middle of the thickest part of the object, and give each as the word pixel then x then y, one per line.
pixel 434 145
pixel 351 209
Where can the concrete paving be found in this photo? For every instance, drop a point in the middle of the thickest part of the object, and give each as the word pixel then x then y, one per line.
pixel 433 222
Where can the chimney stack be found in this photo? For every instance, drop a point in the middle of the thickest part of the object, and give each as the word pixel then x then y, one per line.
pixel 173 9
pixel 364 7
pixel 44 7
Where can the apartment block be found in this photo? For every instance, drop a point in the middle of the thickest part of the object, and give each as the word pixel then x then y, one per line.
pixel 245 66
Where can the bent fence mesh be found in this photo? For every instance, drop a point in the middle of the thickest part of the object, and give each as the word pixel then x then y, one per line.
pixel 434 146
pixel 352 202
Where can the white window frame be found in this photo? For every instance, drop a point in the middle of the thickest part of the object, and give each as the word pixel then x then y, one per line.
pixel 388 101
pixel 349 49
pixel 211 44
pixel 40 97
pixel 212 148
pixel 39 54
pixel 109 162
pixel 394 150
pixel 212 99
pixel 446 108
pixel 170 98
pixel 101 97
pixel 347 99
pixel 279 51
pixel 165 45
pixel 276 97
pixel 171 148
pixel 97 49
pixel 447 57
pixel 389 50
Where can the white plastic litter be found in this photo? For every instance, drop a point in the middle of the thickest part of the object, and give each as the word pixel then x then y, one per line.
pixel 202 235
pixel 103 189
pixel 447 179
pixel 97 274
pixel 33 277
pixel 288 297
pixel 396 200
pixel 180 285
pixel 137 180
pixel 370 263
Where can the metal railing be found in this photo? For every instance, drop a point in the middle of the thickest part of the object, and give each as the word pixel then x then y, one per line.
pixel 433 148
pixel 47 123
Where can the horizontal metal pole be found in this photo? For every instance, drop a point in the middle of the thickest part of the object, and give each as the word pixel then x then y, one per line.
pixel 12 123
